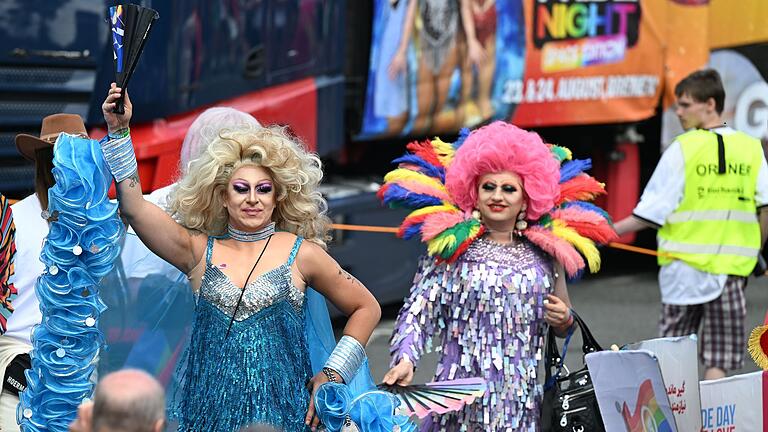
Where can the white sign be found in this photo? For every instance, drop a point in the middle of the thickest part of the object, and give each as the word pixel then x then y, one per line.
pixel 734 404
pixel 679 368
pixel 631 391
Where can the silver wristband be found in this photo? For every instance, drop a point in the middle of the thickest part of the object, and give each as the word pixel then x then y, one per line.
pixel 346 358
pixel 120 157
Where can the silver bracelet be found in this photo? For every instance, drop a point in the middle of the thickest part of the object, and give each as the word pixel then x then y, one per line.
pixel 120 156
pixel 346 358
pixel 330 374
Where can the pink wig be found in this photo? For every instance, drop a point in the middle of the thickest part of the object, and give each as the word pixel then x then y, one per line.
pixel 501 147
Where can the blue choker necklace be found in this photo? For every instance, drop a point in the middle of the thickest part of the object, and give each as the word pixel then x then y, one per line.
pixel 245 236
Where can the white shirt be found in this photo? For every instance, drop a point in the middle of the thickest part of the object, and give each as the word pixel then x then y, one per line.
pixel 680 283
pixel 31 230
pixel 138 261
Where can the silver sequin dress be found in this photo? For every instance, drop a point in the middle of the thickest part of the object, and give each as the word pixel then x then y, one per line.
pixel 255 374
pixel 486 311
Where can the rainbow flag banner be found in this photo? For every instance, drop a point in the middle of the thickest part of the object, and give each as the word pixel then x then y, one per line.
pixel 735 404
pixel 678 362
pixel 630 391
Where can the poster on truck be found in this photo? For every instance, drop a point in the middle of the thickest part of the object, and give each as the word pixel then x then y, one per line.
pixel 439 65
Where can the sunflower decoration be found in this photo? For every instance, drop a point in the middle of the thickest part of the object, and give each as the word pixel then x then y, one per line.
pixel 758 345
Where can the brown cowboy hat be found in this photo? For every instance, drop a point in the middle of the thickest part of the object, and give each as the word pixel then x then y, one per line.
pixel 52 126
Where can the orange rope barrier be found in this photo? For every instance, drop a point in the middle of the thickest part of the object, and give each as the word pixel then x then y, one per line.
pixel 393 230
pixel 635 249
pixel 380 229
pixel 365 228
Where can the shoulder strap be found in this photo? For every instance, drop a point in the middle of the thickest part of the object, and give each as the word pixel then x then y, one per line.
pixel 720 153
pixel 209 251
pixel 295 250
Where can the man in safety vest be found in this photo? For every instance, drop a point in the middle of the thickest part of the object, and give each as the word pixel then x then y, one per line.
pixel 707 198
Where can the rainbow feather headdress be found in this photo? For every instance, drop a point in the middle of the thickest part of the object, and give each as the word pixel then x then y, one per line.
pixel 568 232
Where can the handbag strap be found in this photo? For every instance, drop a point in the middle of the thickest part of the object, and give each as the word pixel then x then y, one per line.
pixel 559 361
pixel 590 343
pixel 554 360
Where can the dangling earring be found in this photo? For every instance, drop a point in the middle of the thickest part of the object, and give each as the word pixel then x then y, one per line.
pixel 476 215
pixel 521 223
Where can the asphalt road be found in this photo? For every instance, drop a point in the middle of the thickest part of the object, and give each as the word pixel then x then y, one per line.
pixel 619 309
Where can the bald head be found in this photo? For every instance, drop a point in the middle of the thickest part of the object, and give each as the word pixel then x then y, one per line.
pixel 129 400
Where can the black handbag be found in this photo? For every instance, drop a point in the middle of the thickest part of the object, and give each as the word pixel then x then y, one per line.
pixel 569 403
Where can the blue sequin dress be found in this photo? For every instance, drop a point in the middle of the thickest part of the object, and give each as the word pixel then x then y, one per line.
pixel 256 374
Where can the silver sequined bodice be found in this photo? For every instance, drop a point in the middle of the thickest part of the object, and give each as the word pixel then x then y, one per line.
pixel 252 370
pixel 262 292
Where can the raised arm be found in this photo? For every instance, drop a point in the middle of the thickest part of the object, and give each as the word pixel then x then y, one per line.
pixel 156 229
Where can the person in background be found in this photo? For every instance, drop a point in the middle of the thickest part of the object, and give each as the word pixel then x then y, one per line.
pixel 707 199
pixel 128 400
pixel 156 292
pixel 31 229
pixel 7 255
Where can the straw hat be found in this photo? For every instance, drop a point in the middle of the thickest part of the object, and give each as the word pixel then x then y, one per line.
pixel 52 126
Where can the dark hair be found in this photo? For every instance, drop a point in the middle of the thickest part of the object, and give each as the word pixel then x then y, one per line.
pixel 702 85
pixel 43 174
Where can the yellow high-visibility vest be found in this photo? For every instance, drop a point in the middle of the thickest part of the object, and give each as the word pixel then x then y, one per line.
pixel 715 227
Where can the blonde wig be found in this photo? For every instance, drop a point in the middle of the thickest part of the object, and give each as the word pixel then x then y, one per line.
pixel 198 200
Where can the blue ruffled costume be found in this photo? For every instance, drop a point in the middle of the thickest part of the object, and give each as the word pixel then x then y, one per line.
pixel 80 249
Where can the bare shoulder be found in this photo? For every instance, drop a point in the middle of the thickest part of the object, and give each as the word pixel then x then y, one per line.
pixel 311 252
pixel 284 236
pixel 283 241
pixel 313 260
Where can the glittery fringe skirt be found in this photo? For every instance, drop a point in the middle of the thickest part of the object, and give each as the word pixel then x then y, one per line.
pixel 256 375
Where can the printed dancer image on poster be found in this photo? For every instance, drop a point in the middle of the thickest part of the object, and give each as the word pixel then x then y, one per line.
pixel 437 65
pixel 388 67
pixel 479 61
